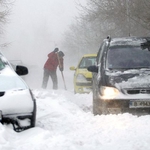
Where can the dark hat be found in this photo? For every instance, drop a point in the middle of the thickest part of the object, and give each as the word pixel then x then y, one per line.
pixel 61 53
pixel 56 49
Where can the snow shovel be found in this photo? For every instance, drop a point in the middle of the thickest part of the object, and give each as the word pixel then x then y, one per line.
pixel 63 80
pixel 62 73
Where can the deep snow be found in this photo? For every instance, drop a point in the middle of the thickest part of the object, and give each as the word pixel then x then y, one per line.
pixel 65 122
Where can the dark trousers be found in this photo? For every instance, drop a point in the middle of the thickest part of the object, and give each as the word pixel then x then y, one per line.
pixel 53 76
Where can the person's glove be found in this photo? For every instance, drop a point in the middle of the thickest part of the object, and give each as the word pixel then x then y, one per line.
pixel 61 69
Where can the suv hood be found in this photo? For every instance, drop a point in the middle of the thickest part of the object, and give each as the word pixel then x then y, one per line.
pixel 129 79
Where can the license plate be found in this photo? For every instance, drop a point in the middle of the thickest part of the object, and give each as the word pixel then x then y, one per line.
pixel 139 104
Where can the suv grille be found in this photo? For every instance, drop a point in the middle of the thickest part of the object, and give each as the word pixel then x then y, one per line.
pixel 138 91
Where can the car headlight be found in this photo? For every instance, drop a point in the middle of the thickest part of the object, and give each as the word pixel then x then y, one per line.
pixel 109 92
pixel 80 78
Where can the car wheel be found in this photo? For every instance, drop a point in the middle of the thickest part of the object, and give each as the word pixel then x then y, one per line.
pixel 33 118
pixel 96 110
pixel 96 104
pixel 104 109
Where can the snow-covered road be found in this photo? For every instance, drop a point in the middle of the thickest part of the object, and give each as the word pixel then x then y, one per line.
pixel 65 122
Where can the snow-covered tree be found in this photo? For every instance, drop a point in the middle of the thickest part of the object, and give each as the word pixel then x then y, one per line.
pixel 100 18
pixel 4 12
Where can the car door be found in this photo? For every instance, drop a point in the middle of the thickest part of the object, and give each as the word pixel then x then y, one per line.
pixel 97 76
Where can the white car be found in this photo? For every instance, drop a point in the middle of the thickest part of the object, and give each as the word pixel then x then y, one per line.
pixel 17 103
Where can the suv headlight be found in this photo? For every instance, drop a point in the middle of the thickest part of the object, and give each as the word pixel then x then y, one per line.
pixel 109 92
pixel 80 78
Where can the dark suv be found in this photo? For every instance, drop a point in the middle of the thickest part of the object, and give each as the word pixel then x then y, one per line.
pixel 121 78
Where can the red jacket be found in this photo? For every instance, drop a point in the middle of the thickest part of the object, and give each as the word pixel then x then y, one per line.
pixel 52 62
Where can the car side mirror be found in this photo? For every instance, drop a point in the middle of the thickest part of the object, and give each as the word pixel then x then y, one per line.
pixel 21 70
pixel 93 69
pixel 72 68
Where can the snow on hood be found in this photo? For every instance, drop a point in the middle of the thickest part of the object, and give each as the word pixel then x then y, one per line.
pixel 16 102
pixel 130 78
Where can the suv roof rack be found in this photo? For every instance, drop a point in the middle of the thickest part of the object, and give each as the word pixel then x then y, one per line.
pixel 146 44
pixel 109 38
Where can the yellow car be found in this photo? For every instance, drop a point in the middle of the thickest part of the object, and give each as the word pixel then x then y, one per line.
pixel 82 77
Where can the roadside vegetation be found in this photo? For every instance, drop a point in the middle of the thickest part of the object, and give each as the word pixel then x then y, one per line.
pixel 98 19
pixel 4 13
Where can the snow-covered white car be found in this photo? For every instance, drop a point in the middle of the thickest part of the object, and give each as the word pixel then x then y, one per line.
pixel 17 103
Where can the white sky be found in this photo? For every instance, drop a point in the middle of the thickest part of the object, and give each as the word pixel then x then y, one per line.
pixel 36 27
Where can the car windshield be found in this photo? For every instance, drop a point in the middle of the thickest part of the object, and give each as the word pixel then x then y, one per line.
pixel 87 61
pixel 127 57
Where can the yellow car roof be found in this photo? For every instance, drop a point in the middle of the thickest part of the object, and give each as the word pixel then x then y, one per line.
pixel 88 55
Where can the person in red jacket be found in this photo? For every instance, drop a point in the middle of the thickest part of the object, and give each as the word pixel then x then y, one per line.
pixel 55 59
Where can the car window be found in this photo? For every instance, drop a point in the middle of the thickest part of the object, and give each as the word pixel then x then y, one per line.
pixel 126 57
pixel 100 52
pixel 87 61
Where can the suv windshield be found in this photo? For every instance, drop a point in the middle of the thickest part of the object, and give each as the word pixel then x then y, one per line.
pixel 127 57
pixel 87 61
